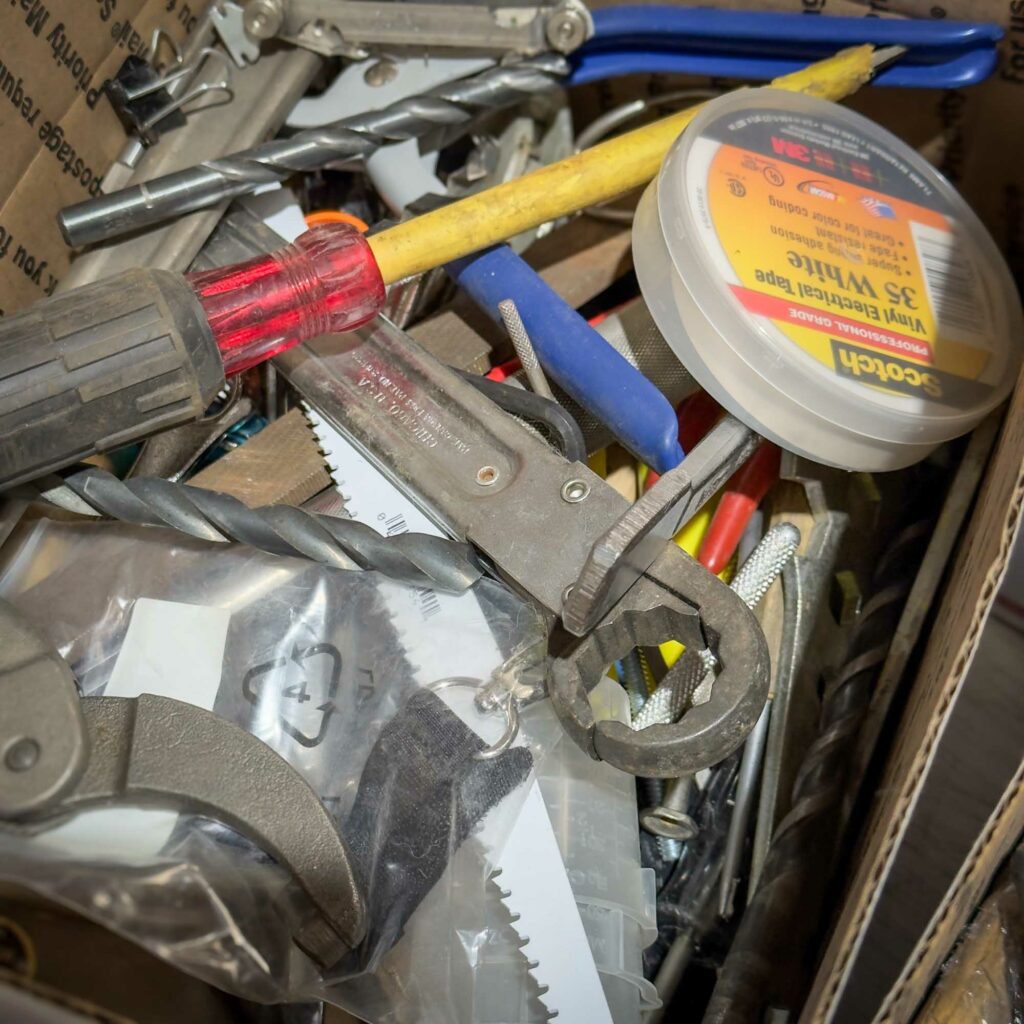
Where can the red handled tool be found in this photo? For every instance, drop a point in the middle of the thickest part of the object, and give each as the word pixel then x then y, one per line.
pixel 116 361
pixel 744 491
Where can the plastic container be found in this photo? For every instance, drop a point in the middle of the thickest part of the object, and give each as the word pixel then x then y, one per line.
pixel 824 283
pixel 593 811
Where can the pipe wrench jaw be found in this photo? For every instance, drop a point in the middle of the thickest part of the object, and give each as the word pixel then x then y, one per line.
pixel 653 611
pixel 60 753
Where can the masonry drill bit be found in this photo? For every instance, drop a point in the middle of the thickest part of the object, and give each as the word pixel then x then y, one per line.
pixel 238 174
pixel 413 558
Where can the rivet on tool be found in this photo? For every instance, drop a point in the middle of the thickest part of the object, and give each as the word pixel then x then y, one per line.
pixel 22 754
pixel 381 73
pixel 574 491
pixel 263 18
pixel 486 475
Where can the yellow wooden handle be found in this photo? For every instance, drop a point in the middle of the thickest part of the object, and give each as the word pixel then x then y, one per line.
pixel 596 175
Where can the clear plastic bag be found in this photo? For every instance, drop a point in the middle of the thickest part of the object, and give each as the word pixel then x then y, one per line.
pixel 319 664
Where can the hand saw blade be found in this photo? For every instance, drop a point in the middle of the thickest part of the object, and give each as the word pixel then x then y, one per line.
pixel 532 873
pixel 528 865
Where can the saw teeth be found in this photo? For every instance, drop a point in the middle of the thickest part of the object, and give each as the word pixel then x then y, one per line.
pixel 523 941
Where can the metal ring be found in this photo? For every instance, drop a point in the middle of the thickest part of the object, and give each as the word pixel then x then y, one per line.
pixel 510 709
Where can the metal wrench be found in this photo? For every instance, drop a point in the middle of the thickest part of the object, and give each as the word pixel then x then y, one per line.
pixel 538 519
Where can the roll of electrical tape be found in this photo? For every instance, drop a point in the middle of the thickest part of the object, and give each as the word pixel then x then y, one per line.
pixel 824 283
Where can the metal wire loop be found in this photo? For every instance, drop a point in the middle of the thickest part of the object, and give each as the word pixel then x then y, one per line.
pixel 509 708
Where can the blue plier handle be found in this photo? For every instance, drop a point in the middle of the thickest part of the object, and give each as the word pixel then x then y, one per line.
pixel 762 45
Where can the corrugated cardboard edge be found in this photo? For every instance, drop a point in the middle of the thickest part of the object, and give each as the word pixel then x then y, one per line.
pixel 965 608
pixel 1002 830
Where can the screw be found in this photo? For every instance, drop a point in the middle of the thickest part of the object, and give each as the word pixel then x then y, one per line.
pixel 381 73
pixel 262 18
pixel 486 475
pixel 574 491
pixel 670 818
pixel 22 754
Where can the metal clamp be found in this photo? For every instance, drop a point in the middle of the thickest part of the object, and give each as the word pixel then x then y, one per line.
pixel 144 102
pixel 653 611
pixel 60 754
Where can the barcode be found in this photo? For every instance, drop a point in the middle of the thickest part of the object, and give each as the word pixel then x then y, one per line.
pixel 396 524
pixel 950 281
pixel 429 604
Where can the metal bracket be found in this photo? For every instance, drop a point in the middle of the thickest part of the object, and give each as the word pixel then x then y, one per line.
pixel 60 754
pixel 354 28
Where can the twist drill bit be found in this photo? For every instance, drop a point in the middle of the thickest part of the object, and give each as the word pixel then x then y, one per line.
pixel 796 871
pixel 413 558
pixel 238 174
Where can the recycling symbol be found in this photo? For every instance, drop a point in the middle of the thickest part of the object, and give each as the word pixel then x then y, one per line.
pixel 309 674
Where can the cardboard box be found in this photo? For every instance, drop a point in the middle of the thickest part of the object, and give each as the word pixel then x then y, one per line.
pixel 951 804
pixel 59 132
pixel 60 135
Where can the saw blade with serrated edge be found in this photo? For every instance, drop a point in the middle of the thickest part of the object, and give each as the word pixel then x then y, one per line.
pixel 532 873
pixel 509 951
pixel 530 863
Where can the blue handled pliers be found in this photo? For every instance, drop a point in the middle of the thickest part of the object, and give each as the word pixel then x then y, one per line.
pixel 761 45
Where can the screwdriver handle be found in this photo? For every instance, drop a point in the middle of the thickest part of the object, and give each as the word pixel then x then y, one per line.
pixel 100 367
pixel 118 360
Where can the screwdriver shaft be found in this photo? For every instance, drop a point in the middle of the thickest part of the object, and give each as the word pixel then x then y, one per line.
pixel 238 174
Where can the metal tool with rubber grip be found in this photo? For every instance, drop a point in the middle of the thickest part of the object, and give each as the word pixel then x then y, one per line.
pixel 115 361
pixel 101 366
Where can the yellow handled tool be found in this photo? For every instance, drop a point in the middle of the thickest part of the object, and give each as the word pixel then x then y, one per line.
pixel 596 175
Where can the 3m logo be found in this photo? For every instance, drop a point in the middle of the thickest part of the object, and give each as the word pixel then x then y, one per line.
pixel 819 189
pixel 791 150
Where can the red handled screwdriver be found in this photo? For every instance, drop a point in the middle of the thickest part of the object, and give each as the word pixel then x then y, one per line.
pixel 115 361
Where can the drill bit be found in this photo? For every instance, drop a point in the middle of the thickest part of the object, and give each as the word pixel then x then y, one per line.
pixel 413 558
pixel 214 181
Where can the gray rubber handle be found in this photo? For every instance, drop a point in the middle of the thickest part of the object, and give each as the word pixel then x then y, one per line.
pixel 100 367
